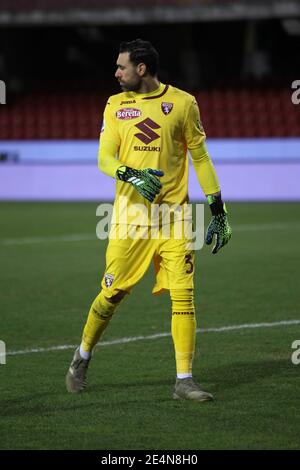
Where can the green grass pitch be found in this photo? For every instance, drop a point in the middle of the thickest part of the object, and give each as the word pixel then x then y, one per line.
pixel 47 284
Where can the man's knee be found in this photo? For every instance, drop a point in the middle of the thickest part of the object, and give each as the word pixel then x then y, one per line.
pixel 104 306
pixel 116 299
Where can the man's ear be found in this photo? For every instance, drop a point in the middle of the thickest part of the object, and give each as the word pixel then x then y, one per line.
pixel 142 70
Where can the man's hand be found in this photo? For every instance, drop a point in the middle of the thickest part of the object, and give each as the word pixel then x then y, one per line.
pixel 218 225
pixel 145 181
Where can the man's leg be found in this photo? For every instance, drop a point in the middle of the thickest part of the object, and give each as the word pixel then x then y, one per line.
pixel 184 339
pixel 99 316
pixel 126 262
pixel 175 271
pixel 183 329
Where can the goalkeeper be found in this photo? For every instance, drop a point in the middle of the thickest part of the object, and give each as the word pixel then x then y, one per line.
pixel 145 135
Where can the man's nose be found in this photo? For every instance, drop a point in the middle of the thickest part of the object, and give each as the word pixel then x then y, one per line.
pixel 118 74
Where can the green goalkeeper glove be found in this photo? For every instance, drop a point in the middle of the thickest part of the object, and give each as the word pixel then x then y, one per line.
pixel 145 181
pixel 218 225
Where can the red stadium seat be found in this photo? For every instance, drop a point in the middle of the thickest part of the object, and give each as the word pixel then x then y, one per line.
pixel 48 114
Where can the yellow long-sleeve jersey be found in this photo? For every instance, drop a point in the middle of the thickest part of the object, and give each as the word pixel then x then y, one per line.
pixel 155 130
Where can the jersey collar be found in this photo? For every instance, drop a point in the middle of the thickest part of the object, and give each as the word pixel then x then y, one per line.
pixel 160 91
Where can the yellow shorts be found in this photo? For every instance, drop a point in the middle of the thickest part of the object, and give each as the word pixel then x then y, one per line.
pixel 128 259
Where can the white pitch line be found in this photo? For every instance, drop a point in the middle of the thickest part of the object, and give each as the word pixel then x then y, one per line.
pixel 265 227
pixel 78 237
pixel 133 339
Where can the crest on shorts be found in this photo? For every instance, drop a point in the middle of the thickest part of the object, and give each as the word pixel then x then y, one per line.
pixel 166 107
pixel 109 279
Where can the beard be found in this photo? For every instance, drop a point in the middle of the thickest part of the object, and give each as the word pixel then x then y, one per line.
pixel 134 85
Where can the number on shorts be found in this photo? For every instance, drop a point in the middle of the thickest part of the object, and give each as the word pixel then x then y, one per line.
pixel 188 260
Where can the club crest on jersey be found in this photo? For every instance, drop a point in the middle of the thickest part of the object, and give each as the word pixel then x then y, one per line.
pixel 109 279
pixel 128 113
pixel 166 108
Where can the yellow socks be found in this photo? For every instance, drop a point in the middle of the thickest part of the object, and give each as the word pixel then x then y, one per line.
pixel 183 327
pixel 183 330
pixel 99 316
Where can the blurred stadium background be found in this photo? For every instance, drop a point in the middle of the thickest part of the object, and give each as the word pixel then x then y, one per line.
pixel 241 59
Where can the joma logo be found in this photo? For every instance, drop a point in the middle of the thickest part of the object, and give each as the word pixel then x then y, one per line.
pixel 147 135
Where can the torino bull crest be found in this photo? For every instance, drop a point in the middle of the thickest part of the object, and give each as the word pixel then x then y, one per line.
pixel 166 108
pixel 109 279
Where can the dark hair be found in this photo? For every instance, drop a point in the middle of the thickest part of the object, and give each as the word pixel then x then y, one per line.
pixel 141 52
